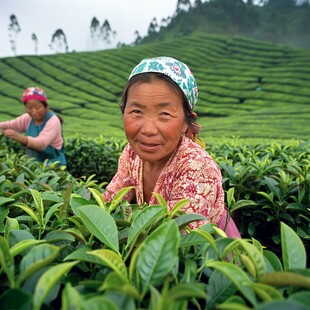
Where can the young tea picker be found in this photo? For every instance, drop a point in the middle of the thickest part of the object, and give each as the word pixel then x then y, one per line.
pixel 164 154
pixel 39 129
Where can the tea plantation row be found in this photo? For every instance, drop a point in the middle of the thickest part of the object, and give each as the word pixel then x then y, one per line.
pixel 246 88
pixel 264 183
pixel 63 247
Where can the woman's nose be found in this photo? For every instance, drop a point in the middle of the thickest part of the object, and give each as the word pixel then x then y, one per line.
pixel 149 126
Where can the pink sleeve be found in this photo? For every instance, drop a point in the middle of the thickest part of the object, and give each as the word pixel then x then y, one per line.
pixel 51 134
pixel 19 124
pixel 122 178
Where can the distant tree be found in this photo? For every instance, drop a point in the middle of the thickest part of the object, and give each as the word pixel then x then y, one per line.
pixel 183 5
pixel 95 32
pixel 120 44
pixel 137 38
pixel 197 3
pixel 106 32
pixel 59 42
pixel 165 21
pixel 153 27
pixel 14 30
pixel 35 42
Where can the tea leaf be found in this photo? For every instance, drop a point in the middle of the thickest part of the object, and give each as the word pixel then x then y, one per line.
pixel 293 250
pixel 185 219
pixel 119 197
pixel 10 224
pixel 7 261
pixel 98 196
pixel 286 278
pixel 47 281
pixel 101 224
pixel 82 254
pixel 219 289
pixel 38 203
pixel 266 292
pixel 241 204
pixel 161 200
pixel 186 290
pixel 4 200
pixel 236 276
pixel 256 257
pixel 97 302
pixel 23 245
pixel 51 211
pixel 37 258
pixel 180 204
pixel 66 199
pixel 29 211
pixel 70 298
pixel 230 197
pixel 144 220
pixel 158 254
pixel 31 174
pixel 76 234
pixel 112 260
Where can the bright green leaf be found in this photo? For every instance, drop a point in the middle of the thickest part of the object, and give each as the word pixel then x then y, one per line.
pixel 293 250
pixel 47 281
pixel 100 223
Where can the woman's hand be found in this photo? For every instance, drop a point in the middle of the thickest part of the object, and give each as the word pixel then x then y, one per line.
pixel 14 135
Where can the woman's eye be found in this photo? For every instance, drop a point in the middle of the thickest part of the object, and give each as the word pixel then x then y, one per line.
pixel 165 114
pixel 136 111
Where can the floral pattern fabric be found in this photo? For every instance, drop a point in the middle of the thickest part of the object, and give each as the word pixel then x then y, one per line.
pixel 189 173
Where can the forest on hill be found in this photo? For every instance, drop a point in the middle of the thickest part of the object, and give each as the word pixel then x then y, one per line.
pixel 278 21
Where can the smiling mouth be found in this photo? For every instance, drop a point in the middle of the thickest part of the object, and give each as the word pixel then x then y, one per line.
pixel 148 146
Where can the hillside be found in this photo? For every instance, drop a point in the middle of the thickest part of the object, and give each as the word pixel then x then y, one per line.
pixel 247 88
pixel 276 21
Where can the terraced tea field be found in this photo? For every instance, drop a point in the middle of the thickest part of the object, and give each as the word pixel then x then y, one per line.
pixel 247 88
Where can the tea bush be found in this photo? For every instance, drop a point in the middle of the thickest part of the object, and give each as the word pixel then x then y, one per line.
pixel 264 184
pixel 63 247
pixel 246 87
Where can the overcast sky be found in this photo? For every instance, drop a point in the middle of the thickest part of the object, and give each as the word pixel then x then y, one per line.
pixel 44 17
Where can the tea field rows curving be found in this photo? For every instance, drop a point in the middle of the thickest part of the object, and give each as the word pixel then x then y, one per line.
pixel 247 88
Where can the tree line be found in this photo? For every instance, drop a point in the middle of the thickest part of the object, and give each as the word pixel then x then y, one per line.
pixel 263 19
pixel 59 43
pixel 278 21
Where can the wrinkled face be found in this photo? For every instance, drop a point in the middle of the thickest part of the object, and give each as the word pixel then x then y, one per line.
pixel 154 120
pixel 36 110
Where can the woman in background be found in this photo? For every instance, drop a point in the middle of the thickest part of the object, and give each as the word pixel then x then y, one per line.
pixel 39 130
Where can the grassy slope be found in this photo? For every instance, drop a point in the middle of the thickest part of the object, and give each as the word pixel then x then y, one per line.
pixel 247 88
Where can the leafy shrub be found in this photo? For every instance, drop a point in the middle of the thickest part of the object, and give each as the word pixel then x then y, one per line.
pixel 69 250
pixel 265 184
pixel 99 156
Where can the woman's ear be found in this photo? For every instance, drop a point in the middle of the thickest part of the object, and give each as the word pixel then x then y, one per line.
pixel 184 128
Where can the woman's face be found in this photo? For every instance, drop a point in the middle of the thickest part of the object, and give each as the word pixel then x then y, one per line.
pixel 154 120
pixel 36 110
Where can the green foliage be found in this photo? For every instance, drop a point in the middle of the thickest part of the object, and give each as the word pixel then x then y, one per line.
pixel 159 270
pixel 276 21
pixel 248 88
pixel 63 246
pixel 264 184
pixel 99 156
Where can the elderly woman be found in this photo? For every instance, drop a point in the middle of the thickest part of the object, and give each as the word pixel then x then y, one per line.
pixel 164 154
pixel 43 131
